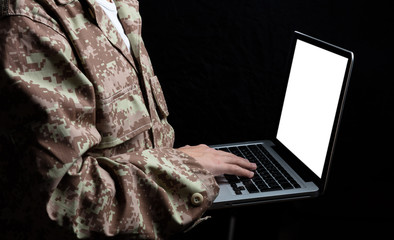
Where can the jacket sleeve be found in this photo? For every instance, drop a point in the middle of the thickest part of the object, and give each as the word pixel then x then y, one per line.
pixel 150 193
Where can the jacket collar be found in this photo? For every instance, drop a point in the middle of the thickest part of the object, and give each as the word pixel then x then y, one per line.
pixel 108 29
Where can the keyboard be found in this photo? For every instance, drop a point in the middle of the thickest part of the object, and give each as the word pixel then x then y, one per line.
pixel 269 175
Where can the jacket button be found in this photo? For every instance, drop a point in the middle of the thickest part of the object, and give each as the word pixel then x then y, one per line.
pixel 197 199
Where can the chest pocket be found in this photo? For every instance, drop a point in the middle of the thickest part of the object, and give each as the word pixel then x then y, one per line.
pixel 121 117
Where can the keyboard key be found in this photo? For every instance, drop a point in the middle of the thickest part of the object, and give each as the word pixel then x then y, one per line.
pixel 250 187
pixel 232 178
pixel 235 151
pixel 273 188
pixel 269 175
pixel 262 186
pixel 237 191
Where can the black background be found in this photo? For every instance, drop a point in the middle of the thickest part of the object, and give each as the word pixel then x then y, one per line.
pixel 222 65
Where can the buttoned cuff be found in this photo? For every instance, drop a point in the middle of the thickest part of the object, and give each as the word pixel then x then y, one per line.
pixel 201 199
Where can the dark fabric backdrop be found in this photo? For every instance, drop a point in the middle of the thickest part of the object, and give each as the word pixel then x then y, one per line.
pixel 222 65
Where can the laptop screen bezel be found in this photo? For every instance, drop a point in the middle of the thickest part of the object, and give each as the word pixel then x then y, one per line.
pixel 294 161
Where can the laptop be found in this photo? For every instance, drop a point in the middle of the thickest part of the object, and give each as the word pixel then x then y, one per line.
pixel 296 164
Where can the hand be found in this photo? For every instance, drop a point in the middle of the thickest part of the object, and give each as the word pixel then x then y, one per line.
pixel 220 162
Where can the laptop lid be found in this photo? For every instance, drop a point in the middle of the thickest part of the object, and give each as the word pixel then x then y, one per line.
pixel 313 104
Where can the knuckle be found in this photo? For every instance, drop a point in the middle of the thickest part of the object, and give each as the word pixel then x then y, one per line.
pixel 204 146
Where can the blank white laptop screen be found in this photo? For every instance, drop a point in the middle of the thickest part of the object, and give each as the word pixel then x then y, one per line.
pixel 310 104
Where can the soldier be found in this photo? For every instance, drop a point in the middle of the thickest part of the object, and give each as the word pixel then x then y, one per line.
pixel 83 108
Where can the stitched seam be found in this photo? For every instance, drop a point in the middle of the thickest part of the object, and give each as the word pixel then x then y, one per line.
pixel 38 21
pixel 117 95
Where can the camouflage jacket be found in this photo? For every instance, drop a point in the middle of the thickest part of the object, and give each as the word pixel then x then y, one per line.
pixel 99 120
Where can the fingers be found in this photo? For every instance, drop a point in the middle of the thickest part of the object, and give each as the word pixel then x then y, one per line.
pixel 242 162
pixel 235 165
pixel 239 171
pixel 220 162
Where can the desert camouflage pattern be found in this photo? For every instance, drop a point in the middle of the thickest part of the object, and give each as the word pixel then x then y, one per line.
pixel 98 117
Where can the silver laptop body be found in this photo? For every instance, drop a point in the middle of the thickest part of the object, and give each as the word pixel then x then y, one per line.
pixel 296 163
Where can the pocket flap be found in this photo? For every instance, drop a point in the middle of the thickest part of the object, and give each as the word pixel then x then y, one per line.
pixel 121 117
